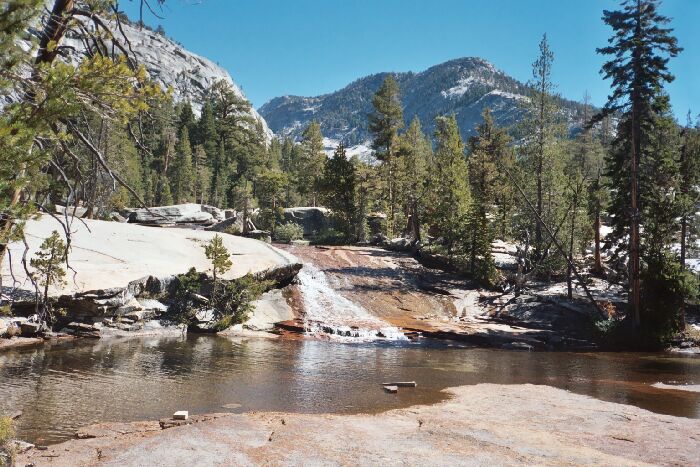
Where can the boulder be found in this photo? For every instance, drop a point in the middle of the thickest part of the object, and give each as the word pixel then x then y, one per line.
pixel 400 244
pixel 312 219
pixel 262 235
pixel 216 213
pixel 29 329
pixel 271 308
pixel 82 329
pixel 177 214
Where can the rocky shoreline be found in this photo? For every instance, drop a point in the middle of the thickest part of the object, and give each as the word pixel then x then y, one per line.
pixel 485 424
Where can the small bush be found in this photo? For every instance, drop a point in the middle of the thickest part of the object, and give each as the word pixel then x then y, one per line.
pixel 288 232
pixel 233 229
pixel 235 301
pixel 5 310
pixel 7 433
pixel 184 308
pixel 331 237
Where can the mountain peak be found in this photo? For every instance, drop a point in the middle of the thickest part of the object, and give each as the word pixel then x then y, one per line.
pixel 462 86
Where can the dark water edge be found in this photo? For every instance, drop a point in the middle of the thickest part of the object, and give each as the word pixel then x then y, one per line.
pixel 65 386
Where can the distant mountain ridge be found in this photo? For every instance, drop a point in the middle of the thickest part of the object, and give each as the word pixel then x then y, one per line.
pixel 463 86
pixel 169 63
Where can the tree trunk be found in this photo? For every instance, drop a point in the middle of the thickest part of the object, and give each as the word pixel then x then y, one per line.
pixel 635 285
pixel 569 285
pixel 597 262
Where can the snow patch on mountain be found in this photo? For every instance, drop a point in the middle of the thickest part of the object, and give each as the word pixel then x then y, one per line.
pixel 464 85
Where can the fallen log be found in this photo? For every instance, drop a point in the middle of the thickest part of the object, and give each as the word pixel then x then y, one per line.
pixel 391 389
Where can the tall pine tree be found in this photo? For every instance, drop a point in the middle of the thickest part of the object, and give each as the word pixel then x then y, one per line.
pixel 639 51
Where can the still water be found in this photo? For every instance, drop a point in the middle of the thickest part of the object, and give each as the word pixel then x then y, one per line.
pixel 62 387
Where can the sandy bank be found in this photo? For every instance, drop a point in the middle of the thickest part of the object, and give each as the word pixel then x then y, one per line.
pixel 481 425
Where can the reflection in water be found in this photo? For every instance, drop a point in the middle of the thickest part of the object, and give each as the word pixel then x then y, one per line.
pixel 63 387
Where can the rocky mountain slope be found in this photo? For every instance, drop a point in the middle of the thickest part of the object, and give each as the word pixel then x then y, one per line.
pixel 188 74
pixel 464 86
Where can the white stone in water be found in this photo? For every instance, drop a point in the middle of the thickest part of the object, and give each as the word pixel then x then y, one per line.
pixel 181 415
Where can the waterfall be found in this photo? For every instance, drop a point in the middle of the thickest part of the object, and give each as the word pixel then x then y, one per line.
pixel 328 312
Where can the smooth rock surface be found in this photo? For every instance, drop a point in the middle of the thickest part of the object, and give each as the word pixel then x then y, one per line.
pixel 107 255
pixel 270 308
pixel 485 424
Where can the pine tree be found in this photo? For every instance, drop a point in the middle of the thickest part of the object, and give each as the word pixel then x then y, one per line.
pixel 310 164
pixel 338 189
pixel 202 174
pixel 688 195
pixel 291 154
pixel 182 171
pixel 48 268
pixel 385 122
pixel 640 48
pixel 449 182
pixel 415 151
pixel 487 148
pixel 220 258
pixel 271 187
pixel 542 128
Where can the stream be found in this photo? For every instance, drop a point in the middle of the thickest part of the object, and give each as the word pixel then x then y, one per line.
pixel 65 386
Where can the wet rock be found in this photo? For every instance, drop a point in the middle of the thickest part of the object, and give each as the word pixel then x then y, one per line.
pixel 518 346
pixel 82 330
pixel 312 219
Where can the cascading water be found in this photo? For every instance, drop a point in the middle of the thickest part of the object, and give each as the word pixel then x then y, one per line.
pixel 329 312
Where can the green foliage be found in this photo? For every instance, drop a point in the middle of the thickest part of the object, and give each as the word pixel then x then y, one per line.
pixel 48 267
pixel 666 286
pixel 384 123
pixel 338 190
pixel 288 232
pixel 184 306
pixel 182 170
pixel 234 302
pixel 7 433
pixel 219 256
pixel 415 152
pixel 271 187
pixel 309 163
pixel 331 237
pixel 450 195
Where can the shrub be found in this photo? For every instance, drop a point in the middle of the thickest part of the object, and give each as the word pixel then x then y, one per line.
pixel 331 237
pixel 7 432
pixel 185 307
pixel 288 232
pixel 235 301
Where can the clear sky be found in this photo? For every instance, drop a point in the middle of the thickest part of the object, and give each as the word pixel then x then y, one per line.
pixel 310 47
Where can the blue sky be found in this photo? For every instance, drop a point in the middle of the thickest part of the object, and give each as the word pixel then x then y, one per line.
pixel 311 47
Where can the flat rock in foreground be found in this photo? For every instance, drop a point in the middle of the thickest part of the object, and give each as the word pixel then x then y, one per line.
pixel 112 254
pixel 484 424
